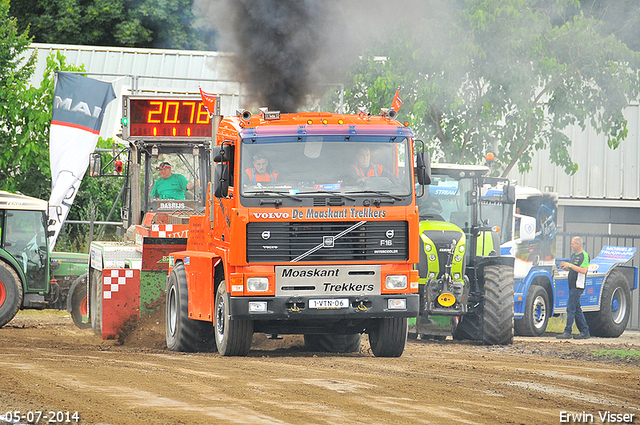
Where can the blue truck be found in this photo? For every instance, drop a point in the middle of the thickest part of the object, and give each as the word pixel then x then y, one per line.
pixel 541 288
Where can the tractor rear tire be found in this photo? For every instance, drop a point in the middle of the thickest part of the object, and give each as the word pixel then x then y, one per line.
pixel 79 312
pixel 536 313
pixel 497 309
pixel 233 336
pixel 388 336
pixel 183 333
pixel 10 293
pixel 330 343
pixel 615 307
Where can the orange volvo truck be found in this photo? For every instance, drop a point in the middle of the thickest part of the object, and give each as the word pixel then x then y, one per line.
pixel 310 227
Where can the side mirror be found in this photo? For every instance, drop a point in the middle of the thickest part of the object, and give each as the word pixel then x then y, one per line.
pixel 95 165
pixel 509 193
pixel 423 168
pixel 221 181
pixel 223 152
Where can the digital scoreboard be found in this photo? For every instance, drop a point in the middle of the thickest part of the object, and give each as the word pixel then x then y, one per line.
pixel 165 118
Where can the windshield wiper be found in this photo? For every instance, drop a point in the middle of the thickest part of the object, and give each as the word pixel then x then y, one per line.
pixel 328 192
pixel 378 192
pixel 274 192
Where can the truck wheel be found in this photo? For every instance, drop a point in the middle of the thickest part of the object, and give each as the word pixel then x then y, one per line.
pixel 614 312
pixel 536 313
pixel 183 333
pixel 79 312
pixel 10 293
pixel 330 343
pixel 497 310
pixel 388 337
pixel 233 337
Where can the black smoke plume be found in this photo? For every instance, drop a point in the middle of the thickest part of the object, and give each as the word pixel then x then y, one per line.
pixel 278 41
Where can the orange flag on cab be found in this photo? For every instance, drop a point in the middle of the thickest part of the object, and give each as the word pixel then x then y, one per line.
pixel 397 102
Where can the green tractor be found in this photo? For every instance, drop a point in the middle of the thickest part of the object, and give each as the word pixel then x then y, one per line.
pixel 466 287
pixel 30 276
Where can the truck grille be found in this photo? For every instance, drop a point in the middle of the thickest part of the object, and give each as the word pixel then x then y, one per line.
pixel 313 241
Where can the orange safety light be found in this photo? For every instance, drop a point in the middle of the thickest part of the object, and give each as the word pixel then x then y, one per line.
pixel 173 131
pixel 340 121
pixel 155 131
pixel 309 122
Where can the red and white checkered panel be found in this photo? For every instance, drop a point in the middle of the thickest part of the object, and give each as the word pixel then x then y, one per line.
pixel 120 299
pixel 169 230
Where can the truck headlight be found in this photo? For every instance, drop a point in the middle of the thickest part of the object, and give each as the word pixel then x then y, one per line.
pixel 257 284
pixel 396 282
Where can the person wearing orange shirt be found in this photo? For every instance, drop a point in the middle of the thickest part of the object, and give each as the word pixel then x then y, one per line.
pixel 261 171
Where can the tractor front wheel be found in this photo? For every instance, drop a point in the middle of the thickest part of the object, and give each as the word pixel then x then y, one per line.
pixel 79 312
pixel 10 293
pixel 497 317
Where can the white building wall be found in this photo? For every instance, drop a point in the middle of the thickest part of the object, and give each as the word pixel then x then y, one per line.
pixel 603 173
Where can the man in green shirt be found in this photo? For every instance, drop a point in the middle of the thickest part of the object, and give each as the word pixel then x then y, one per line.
pixel 169 186
pixel 577 267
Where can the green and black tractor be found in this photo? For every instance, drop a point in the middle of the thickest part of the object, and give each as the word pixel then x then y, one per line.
pixel 31 277
pixel 466 287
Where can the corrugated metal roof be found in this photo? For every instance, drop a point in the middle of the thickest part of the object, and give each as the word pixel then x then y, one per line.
pixel 146 71
pixel 603 173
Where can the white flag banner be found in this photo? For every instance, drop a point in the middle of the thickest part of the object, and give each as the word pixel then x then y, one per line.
pixel 78 108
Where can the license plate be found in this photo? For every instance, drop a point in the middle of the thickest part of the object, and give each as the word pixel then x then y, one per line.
pixel 339 303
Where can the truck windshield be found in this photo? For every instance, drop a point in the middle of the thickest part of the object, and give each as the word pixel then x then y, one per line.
pixel 318 165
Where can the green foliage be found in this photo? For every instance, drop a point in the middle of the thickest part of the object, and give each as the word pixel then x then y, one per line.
pixel 123 23
pixel 25 112
pixel 506 76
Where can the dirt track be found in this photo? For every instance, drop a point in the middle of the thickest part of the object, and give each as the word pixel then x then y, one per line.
pixel 46 364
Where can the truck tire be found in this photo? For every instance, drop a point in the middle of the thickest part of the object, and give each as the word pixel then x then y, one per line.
pixel 233 336
pixel 536 313
pixel 10 293
pixel 330 343
pixel 388 336
pixel 78 295
pixel 497 309
pixel 614 312
pixel 183 333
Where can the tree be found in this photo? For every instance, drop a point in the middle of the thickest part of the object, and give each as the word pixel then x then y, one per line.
pixel 123 23
pixel 25 112
pixel 500 76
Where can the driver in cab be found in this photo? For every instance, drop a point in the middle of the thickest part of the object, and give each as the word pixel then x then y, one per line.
pixel 261 171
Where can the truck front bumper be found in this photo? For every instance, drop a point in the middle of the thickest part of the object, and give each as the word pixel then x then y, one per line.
pixel 300 308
